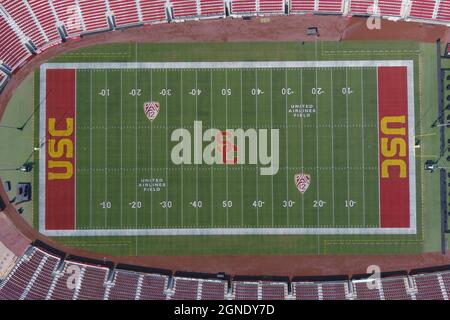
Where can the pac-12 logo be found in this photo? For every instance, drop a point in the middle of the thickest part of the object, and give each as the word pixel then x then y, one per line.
pixel 393 146
pixel 60 150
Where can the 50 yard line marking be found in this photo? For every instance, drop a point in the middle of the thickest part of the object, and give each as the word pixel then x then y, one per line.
pixel 167 160
pixel 212 167
pixel 182 166
pixel 242 170
pixel 226 128
pixel 302 159
pixel 196 167
pixel 151 150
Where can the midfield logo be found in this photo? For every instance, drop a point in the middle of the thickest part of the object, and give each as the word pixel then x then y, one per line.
pixel 227 147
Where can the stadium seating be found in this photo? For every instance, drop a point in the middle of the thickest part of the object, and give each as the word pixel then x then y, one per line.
pixel 271 6
pixel 125 12
pixel 69 15
pixel 45 17
pixel 213 290
pixel 212 7
pixel 153 287
pixel 302 5
pixel 25 20
pixel 184 8
pixel 428 287
pixel 245 290
pixel 443 13
pixel 330 6
pixel 362 7
pixel 390 7
pixel 305 290
pixel 94 14
pixel 12 51
pixel 153 10
pixel 395 288
pixel 363 292
pixel 243 6
pixel 39 275
pixel 124 286
pixel 422 9
pixel 274 291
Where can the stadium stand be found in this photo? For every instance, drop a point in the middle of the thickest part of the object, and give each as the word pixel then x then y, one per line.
pixel 428 287
pixel 245 290
pixel 363 292
pixel 186 289
pixel 271 6
pixel 212 7
pixel 124 286
pixel 330 6
pixel 39 275
pixel 26 21
pixel 69 15
pixel 12 51
pixel 395 288
pixel 422 9
pixel 45 17
pixel 305 290
pixel 185 8
pixel 243 6
pixel 125 12
pixel 153 11
pixel 443 13
pixel 94 14
pixel 302 5
pixel 213 290
pixel 274 291
pixel 153 287
pixel 390 7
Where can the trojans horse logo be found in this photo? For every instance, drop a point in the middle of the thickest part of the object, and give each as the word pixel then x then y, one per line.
pixel 151 110
pixel 302 182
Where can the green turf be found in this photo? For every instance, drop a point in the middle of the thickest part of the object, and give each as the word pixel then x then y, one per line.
pixel 423 56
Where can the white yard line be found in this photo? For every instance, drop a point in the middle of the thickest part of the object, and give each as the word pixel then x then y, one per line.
pixel 151 150
pixel 302 159
pixel 121 148
pixel 317 150
pixel 226 128
pixel 257 168
pixel 242 170
pixel 182 165
pixel 332 148
pixel 106 147
pixel 167 159
pixel 136 155
pixel 348 164
pixel 212 167
pixel 362 144
pixel 90 153
pixel 271 124
pixel 286 147
pixel 196 167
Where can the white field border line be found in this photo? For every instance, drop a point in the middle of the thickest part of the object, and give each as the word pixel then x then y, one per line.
pixel 233 231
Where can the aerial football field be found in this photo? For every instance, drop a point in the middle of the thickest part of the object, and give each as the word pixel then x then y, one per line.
pixel 296 152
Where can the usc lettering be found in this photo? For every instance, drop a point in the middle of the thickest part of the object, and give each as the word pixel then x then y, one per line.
pixel 60 150
pixel 393 146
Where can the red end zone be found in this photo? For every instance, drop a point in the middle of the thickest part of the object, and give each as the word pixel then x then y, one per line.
pixel 60 150
pixel 394 148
